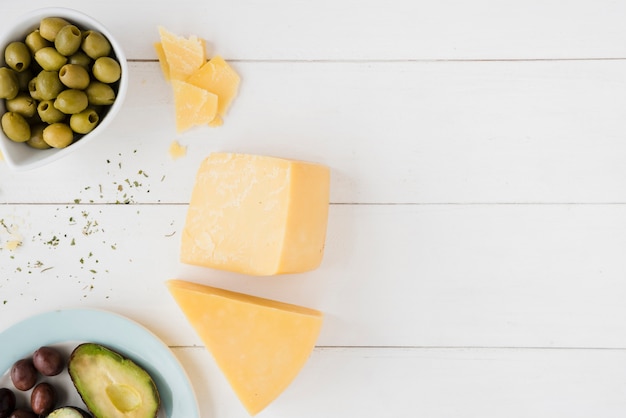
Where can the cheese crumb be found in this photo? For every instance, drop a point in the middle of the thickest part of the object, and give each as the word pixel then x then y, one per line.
pixel 177 150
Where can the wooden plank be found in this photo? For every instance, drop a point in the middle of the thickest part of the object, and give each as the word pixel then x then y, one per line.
pixel 392 275
pixel 463 383
pixel 487 132
pixel 367 30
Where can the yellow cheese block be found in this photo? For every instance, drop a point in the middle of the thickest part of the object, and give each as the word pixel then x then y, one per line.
pixel 257 215
pixel 194 106
pixel 217 77
pixel 260 345
pixel 183 55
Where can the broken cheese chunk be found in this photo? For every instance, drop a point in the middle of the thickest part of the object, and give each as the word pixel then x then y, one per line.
pixel 260 345
pixel 184 60
pixel 194 106
pixel 183 55
pixel 257 215
pixel 217 77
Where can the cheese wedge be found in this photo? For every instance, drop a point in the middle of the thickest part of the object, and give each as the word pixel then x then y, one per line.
pixel 217 77
pixel 257 215
pixel 260 345
pixel 183 55
pixel 194 106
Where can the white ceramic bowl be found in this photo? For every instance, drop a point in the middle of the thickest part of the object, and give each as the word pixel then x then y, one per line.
pixel 20 156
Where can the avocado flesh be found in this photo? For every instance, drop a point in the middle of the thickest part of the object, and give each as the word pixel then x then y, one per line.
pixel 111 385
pixel 68 412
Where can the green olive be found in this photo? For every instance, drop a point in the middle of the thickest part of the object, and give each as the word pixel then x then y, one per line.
pixel 23 78
pixel 100 93
pixel 22 104
pixel 50 59
pixel 106 69
pixel 85 121
pixel 58 135
pixel 50 26
pixel 68 40
pixel 17 56
pixel 32 89
pixel 74 76
pixel 36 137
pixel 95 44
pixel 48 113
pixel 9 84
pixel 48 85
pixel 80 58
pixel 71 101
pixel 15 127
pixel 34 41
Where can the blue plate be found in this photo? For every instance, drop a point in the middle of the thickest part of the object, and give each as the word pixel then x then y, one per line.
pixel 130 339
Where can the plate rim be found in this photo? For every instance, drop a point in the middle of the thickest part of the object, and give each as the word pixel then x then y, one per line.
pixel 111 330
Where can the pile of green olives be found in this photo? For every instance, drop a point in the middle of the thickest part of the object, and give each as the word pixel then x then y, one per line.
pixel 57 84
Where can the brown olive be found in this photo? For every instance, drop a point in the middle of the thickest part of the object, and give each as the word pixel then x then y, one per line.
pixel 7 402
pixel 23 373
pixel 43 399
pixel 48 361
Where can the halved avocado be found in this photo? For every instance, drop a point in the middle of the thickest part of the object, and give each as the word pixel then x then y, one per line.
pixel 111 385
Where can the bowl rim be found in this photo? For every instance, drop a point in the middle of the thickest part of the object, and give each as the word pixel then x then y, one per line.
pixel 30 20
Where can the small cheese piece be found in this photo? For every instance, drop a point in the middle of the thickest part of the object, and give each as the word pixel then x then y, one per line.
pixel 260 345
pixel 217 77
pixel 177 150
pixel 257 215
pixel 165 67
pixel 183 55
pixel 194 106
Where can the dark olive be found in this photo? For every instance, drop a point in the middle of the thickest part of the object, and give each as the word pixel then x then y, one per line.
pixel 7 402
pixel 23 372
pixel 43 399
pixel 48 361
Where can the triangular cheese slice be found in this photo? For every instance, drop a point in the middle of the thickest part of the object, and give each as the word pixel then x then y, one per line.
pixel 194 106
pixel 217 77
pixel 183 55
pixel 259 344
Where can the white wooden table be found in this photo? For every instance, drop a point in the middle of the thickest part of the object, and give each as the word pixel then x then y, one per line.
pixel 475 262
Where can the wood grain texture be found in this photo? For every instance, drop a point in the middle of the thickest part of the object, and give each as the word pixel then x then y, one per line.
pixel 406 383
pixel 479 132
pixel 368 30
pixel 392 275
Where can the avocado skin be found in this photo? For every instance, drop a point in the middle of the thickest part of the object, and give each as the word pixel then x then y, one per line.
pixel 96 353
